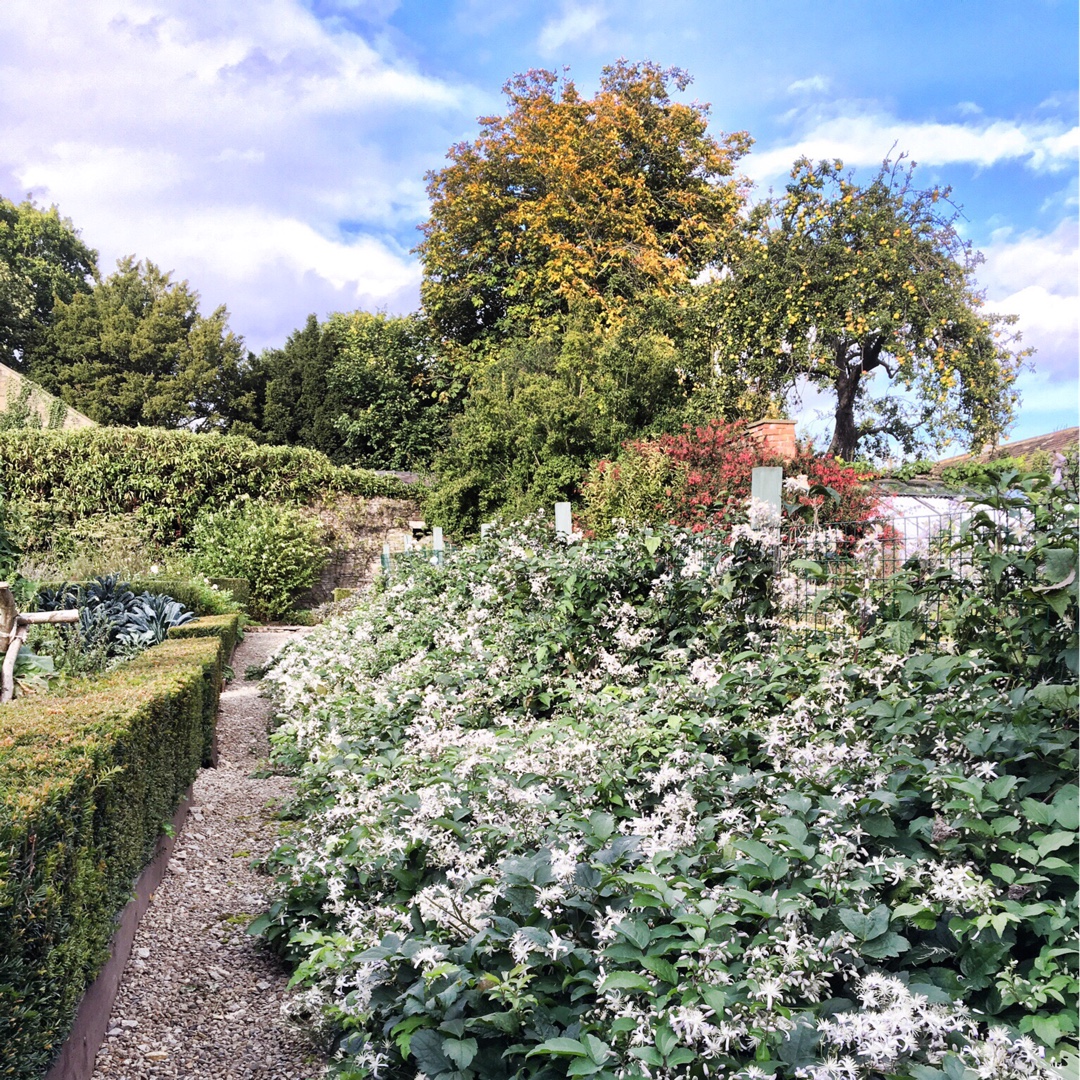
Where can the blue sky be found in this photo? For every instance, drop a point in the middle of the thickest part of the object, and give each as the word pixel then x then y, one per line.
pixel 272 152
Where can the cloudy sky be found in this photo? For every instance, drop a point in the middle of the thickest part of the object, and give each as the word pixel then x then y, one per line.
pixel 272 152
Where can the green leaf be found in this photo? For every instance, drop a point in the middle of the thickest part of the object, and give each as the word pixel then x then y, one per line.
pixel 602 825
pixel 599 1051
pixel 258 925
pixel 1001 787
pixel 662 969
pixel 1066 806
pixel 920 915
pixel 403 1032
pixel 426 1050
pixel 1056 696
pixel 1054 841
pixel 1060 563
pixel 649 1054
pixel 681 1055
pixel 634 931
pixel 800 1045
pixel 583 1067
pixel 666 1039
pixel 460 1051
pixel 1047 1028
pixel 866 926
pixel 885 945
pixel 560 1047
pixel 625 980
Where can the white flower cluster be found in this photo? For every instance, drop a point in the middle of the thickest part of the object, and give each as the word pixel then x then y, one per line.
pixel 896 1025
pixel 468 749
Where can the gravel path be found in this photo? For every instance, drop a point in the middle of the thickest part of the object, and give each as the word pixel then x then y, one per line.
pixel 199 997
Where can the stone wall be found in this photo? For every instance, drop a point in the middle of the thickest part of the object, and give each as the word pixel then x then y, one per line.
pixel 53 413
pixel 357 528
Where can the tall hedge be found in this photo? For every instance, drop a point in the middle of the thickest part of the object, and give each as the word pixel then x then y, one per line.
pixel 163 477
pixel 87 779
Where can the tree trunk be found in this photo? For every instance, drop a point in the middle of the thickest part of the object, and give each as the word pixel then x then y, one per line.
pixel 845 437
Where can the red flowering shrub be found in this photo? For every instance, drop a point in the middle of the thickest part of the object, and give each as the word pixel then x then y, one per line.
pixel 700 478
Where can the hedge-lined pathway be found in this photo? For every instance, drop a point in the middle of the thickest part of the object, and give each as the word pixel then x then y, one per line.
pixel 199 997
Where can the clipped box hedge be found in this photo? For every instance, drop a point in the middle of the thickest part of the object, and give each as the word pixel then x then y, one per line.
pixel 88 778
pixel 195 595
pixel 226 627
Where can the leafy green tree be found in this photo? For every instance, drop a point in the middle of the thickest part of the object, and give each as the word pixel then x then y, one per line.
pixel 543 409
pixel 137 351
pixel 398 395
pixel 570 201
pixel 848 287
pixel 300 407
pixel 42 260
pixel 362 388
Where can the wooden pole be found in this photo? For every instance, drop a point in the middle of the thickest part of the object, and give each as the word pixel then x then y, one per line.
pixel 7 686
pixel 16 637
pixel 8 613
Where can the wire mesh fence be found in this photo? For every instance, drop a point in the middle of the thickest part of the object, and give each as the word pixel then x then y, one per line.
pixel 836 576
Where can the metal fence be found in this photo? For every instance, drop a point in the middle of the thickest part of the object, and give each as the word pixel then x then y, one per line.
pixel 836 576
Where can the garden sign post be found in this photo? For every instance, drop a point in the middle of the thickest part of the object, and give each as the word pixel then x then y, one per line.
pixel 14 626
pixel 766 484
pixel 563 519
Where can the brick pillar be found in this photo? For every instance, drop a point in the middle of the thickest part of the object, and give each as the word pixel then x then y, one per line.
pixel 776 437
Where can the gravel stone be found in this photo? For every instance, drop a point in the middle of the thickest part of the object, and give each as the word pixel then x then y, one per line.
pixel 200 998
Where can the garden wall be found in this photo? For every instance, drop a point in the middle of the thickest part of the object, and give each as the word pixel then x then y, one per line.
pixel 357 528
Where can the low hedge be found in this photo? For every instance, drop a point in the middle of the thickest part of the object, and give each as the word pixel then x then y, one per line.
pixel 226 627
pixel 220 597
pixel 88 777
pixel 217 598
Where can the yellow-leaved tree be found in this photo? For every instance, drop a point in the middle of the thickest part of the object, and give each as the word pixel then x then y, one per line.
pixel 568 201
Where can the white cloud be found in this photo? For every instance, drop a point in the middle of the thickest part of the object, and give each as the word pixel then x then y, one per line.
pixel 228 143
pixel 815 84
pixel 1034 276
pixel 863 139
pixel 574 23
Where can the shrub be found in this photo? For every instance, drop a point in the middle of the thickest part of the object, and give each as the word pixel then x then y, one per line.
pixel 163 479
pixel 87 777
pixel 557 819
pixel 279 550
pixel 701 478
